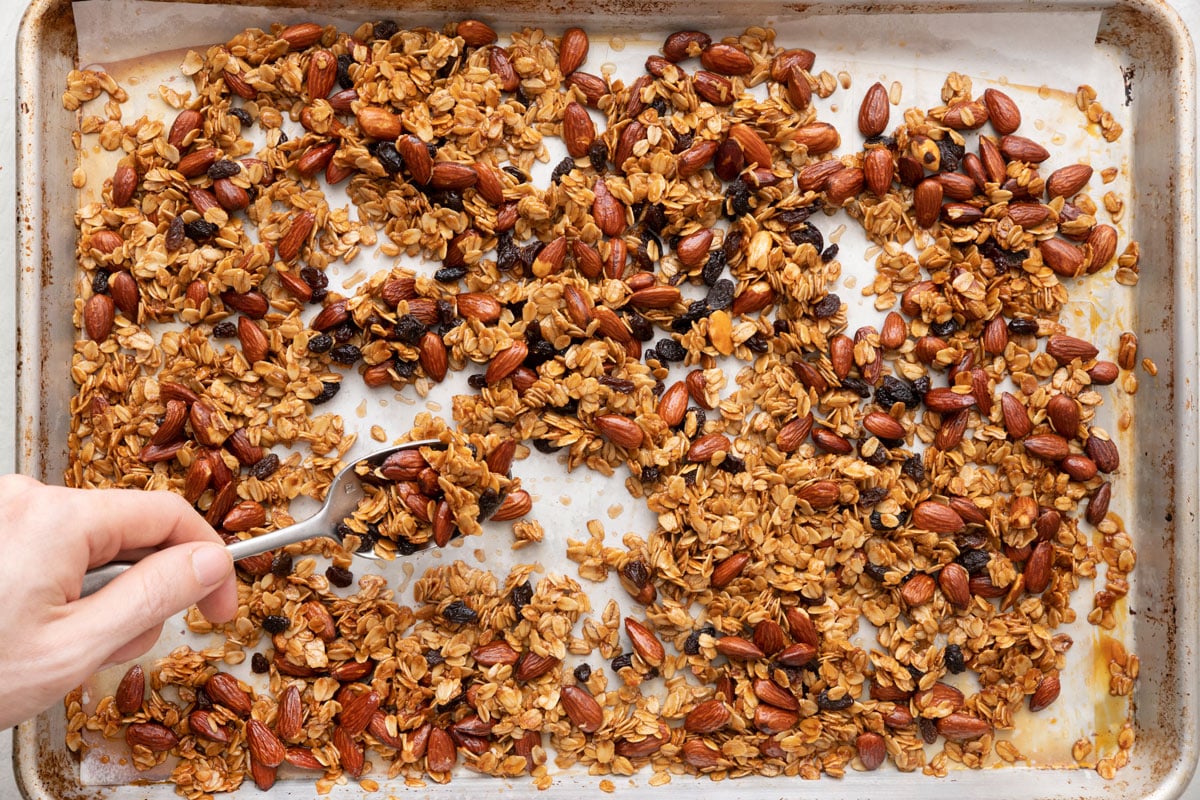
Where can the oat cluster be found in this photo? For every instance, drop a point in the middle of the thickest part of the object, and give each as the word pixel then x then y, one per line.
pixel 935 487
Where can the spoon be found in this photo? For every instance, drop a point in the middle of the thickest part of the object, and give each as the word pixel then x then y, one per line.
pixel 343 496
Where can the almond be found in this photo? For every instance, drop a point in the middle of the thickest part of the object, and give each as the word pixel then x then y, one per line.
pixel 726 59
pixel 357 712
pixel 151 735
pixel 936 517
pixel 301 35
pixel 449 175
pixel 98 314
pixel 961 727
pixel 288 247
pixel 124 182
pixel 440 753
pixel 1047 446
pixel 378 123
pixel 956 186
pixel 202 724
pixel 883 426
pixel 874 112
pixel 684 44
pixel 700 754
pixel 582 708
pixel 105 241
pixel 1068 181
pixel 713 88
pixel 768 635
pixel 820 494
pixel 844 185
pixel 771 719
pixel 578 130
pixel 753 146
pixel 927 202
pixel 572 50
pixel 644 642
pixel 799 91
pixel 497 652
pixel 514 506
pixel 239 444
pixel 131 691
pixel 954 582
pixel 507 360
pixel 993 160
pixel 817 137
pixel 188 121
pixel 289 721
pixel 1063 257
pixel 1079 467
pixel 707 717
pixel 917 590
pixel 321 75
pixel 244 516
pixel 797 655
pixel 724 572
pixel 673 404
pixel 995 336
pixel 253 304
pixel 967 115
pixel 801 626
pixel 831 442
pixel 533 666
pixel 476 33
pixel 196 163
pixel 478 306
pixel 784 62
pixel 695 158
pixel 1100 247
pixel 229 195
pixel 770 692
pixel 643 748
pixel 704 448
pixel 655 297
pixel 1015 416
pixel 432 355
pixel 592 87
pixel 1103 373
pixel 621 431
pixel 1102 451
pixel 878 171
pixel 607 210
pixel 841 355
pixel 1065 349
pixel 1038 568
pixel 1019 148
pixel 123 289
pixel 1046 692
pixel 254 341
pixel 1063 413
pixel 754 297
pixel 1002 111
pixel 939 696
pixel 814 177
pixel 960 214
pixel 944 399
pixel 610 325
pixel 264 744
pixel 872 750
pixel 737 648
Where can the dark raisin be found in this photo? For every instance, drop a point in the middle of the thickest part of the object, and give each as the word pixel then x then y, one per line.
pixel 670 350
pixel 972 560
pixel 478 381
pixel 829 254
pixel 622 661
pixel 529 253
pixel 951 154
pixel 878 457
pixel 200 230
pixel 389 158
pixel 520 595
pixel 265 467
pixel 346 354
pixel 887 141
pixel 275 623
pixel 281 564
pixel 826 703
pixel 521 175
pixel 540 352
pixel 344 79
pixel 637 572
pixel 339 576
pixel 405 546
pixel 943 329
pixel 259 663
pixel 807 233
pixel 714 267
pixel 757 344
pixel 871 496
pixel 433 657
pixel 281 137
pixel 691 645
pixel 697 309
pixel 659 105
pixel 203 701
pixel 696 413
pixel 620 385
pixel 913 671
pixel 953 657
pixel 404 369
pixel 384 29
pixel 344 332
pixel 562 170
pixel 582 673
pixel 683 141
pixel 224 168
pixel 875 572
pixel 225 329
pixel 720 296
pixel 650 474
pixel 1023 326
pixel 321 343
pixel 732 244
pixel 489 501
pixel 242 116
pixel 921 386
pixel 876 520
pixel 450 274
pixel 857 385
pixel 793 217
pixel 829 305
pixel 737 200
pixel 409 330
pixel 598 155
pixel 459 613
pixel 896 390
pixel 328 391
pixel 1004 260
pixel 641 327
pixel 929 732
pixel 914 467
pixel 100 282
pixel 733 465
pixel 546 446
pixel 783 326
pixel 650 354
pixel 449 199
pixel 175 234
pixel 314 277
pixel 655 219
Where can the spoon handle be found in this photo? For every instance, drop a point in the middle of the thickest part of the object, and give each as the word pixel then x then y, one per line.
pixel 313 527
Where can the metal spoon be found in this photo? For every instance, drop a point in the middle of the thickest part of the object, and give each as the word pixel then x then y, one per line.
pixel 343 496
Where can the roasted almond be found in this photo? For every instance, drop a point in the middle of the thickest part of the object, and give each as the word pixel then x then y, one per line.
pixel 844 185
pixel 872 750
pixel 770 692
pixel 288 247
pixel 151 735
pixel 351 756
pixel 801 626
pixel 704 448
pixel 496 652
pixel 124 182
pixel 655 297
pixel 1102 451
pixel 476 33
pixel 358 710
pixel 502 68
pixel 726 59
pixel 98 314
pixel 817 137
pixel 550 258
pixel 815 176
pixel 993 160
pixel 453 176
pixel 440 752
pixel 264 744
pixel 954 582
pixel 572 50
pixel 289 721
pixel 753 146
pixel 874 112
pixel 917 590
pixel 724 572
pixel 1063 257
pixel 507 360
pixel 1068 181
pixel 131 691
pixel 532 666
pixel 754 297
pixel 1003 113
pixel 254 342
pixel 1064 349
pixel 321 74
pixel 713 88
pixel 945 399
pixel 582 708
pixel 123 289
pixel 188 121
pixel 1047 446
pixel 936 517
pixel 478 306
pixel 592 87
pixel 707 717
pixel 1099 248
pixel 644 642
pixel 684 44
pixel 927 202
pixel 797 655
pixel 967 115
pixel 995 336
pixel 578 130
pixel 515 505
pixel 673 404
pixel 737 648
pixel 820 494
pixel 620 430
pixel 1045 693
pixel 244 516
pixel 1019 148
pixel 878 170
pixel 607 210
pixel 883 426
pixel 769 636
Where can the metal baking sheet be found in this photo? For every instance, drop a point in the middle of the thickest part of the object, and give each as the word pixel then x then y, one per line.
pixel 1139 43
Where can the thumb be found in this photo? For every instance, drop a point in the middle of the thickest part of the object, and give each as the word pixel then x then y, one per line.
pixel 159 586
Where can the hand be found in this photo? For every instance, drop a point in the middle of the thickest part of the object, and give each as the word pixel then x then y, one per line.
pixel 52 639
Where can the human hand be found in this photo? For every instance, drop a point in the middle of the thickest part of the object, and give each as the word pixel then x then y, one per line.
pixel 52 639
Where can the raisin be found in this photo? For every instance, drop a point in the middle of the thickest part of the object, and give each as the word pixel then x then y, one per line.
pixel 670 350
pixel 914 467
pixel 757 344
pixel 857 385
pixel 783 326
pixel 655 219
pixel 259 663
pixel 697 310
pixel 732 244
pixel 409 330
pixel 226 330
pixel 389 158
pixel 619 385
pixel 281 564
pixel 459 612
pixel 344 79
pixel 829 305
pixel 953 657
pixel 951 154
pixel 714 267
pixel 344 332
pixel 622 661
pixel 175 234
pixel 321 343
pixel 339 576
pixel 404 545
pixel 871 496
pixel 896 390
pixel 265 467
pixel 807 233
pixel 795 217
pixel 826 703
pixel 242 116
pixel 200 230
pixel 449 199
pixel 384 29
pixel 224 168
pixel 691 645
pixel 582 673
pixel 921 386
pixel 972 560
pixel 1023 326
pixel 489 501
pixel 520 595
pixel 943 329
pixel 683 141
pixel 598 155
pixel 637 572
pixel 274 623
pixel 878 457
pixel 346 354
pixel 478 381
pixel 639 326
pixel 450 274
pixel 659 105
pixel 314 277
pixel 546 446
pixel 928 730
pixel 203 701
pixel 737 200
pixel 562 170
pixel 875 572
pixel 720 296
pixel 650 474
pixel 733 465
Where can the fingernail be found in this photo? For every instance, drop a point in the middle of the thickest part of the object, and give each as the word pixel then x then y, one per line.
pixel 211 564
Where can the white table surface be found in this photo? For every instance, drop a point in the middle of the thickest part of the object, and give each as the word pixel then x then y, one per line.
pixel 10 18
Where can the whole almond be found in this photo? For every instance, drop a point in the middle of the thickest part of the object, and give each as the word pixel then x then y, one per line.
pixel 582 708
pixel 607 210
pixel 476 33
pixel 692 249
pixel 239 84
pixel 1063 257
pixel 724 572
pixel 943 399
pixel 314 160
pixel 621 431
pixel 707 717
pixel 1063 414
pixel 954 582
pixel 1079 467
pixel 254 342
pixel 770 692
pixel 817 137
pixel 874 112
pixel 797 655
pixel 753 146
pixel 951 432
pixel 572 50
pixel 770 719
pixel 578 130
pixel 131 690
pixel 1064 349
pixel 288 247
pixel 883 425
pixel 683 44
pixel 351 756
pixel 700 754
pixel 151 735
pixel 1103 373
pixel 878 170
pixel 357 711
pixel 202 724
pixel 189 120
pixel 515 505
pixel 301 35
pixel 643 748
pixel 253 304
pixel 801 626
pixel 1015 416
pixel 432 355
pixel 995 336
pixel 1100 248
pixel 799 91
pixel 331 316
pixel 440 752
pixel 321 75
pixel 264 744
pixel 1047 446
pixel 872 750
pixel 814 177
pixel 831 442
pixel 673 404
pixel 1002 111
pixel 754 297
pixel 936 517
pixel 507 360
pixel 917 590
pixel 244 516
pixel 960 213
pixel 289 721
pixel 378 123
pixel 695 158
pixel 612 326
pixel 713 88
pixel 1019 148
pixel 123 288
pixel 844 185
pixel 841 355
pixel 502 68
pixel 229 195
pixel 532 666
pixel 453 176
pixel 644 642
pixel 1068 181
pixel 956 186
pixel 197 162
pixel 737 648
pixel 496 652
pixel 1038 568
pixel 105 241
pixel 416 158
pixel 98 314
pixel 769 636
pixel 993 160
pixel 1046 692
pixel 655 297
pixel 1102 451
pixel 704 448
pixel 820 494
pixel 967 115
pixel 124 182
pixel 927 202
pixel 478 306
pixel 592 87
pixel 726 59
pixel 894 331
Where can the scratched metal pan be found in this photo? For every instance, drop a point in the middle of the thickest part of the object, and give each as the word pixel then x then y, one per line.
pixel 1155 494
